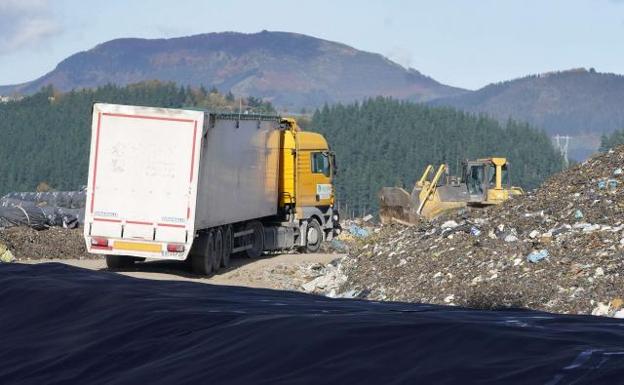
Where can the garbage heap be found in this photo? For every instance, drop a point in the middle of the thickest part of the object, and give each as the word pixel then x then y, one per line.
pixel 558 249
pixel 25 243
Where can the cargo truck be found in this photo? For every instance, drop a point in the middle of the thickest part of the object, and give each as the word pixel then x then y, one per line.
pixel 178 184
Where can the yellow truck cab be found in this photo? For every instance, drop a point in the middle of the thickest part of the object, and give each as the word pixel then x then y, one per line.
pixel 307 168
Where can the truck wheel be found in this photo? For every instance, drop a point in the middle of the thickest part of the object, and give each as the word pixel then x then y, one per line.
pixel 314 237
pixel 256 239
pixel 203 261
pixel 119 261
pixel 218 250
pixel 227 246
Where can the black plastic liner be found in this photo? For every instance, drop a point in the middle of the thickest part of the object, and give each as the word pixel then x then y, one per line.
pixel 42 210
pixel 64 325
pixel 66 199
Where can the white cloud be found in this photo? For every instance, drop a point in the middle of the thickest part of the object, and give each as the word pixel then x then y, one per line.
pixel 25 23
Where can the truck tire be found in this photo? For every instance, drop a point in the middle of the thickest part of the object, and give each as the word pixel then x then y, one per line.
pixel 227 246
pixel 202 262
pixel 256 239
pixel 218 250
pixel 314 237
pixel 119 261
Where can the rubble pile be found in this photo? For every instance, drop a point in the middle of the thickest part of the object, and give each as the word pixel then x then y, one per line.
pixel 558 249
pixel 54 243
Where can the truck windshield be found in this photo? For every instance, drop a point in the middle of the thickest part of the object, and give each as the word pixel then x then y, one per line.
pixel 320 163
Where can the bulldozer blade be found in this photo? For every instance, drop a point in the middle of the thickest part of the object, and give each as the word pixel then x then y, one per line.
pixel 395 205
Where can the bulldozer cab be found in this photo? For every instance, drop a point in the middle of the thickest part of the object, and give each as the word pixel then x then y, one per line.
pixel 475 177
pixel 487 180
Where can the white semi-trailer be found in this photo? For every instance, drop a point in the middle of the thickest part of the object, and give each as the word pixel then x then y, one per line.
pixel 169 184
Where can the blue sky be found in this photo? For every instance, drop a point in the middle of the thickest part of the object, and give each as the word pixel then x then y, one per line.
pixel 465 43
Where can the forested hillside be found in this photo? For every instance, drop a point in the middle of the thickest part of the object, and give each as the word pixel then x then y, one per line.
pixel 614 139
pixel 45 137
pixel 565 102
pixel 381 142
pixel 385 142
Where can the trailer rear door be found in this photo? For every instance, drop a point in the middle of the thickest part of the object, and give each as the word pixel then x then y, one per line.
pixel 142 181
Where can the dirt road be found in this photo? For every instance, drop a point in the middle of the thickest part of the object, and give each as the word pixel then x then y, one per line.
pixel 283 271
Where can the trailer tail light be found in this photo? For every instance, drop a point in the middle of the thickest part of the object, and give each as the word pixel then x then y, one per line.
pixel 99 242
pixel 175 248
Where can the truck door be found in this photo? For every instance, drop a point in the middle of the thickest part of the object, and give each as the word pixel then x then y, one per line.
pixel 322 171
pixel 315 178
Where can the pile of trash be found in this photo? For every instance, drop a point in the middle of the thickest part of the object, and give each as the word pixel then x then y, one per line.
pixel 24 243
pixel 559 249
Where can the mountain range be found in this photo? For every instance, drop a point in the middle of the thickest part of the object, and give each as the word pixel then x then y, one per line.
pixel 290 70
pixel 296 72
pixel 580 103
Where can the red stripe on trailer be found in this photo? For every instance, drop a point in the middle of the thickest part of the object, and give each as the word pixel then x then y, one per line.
pixel 97 144
pixel 170 225
pixel 188 208
pixel 140 223
pixel 149 117
pixel 107 220
pixel 193 152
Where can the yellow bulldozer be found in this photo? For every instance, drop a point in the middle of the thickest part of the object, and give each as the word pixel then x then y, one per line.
pixel 483 182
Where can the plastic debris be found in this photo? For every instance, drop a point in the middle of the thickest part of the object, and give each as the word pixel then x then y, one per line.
pixel 602 309
pixel 475 231
pixel 338 245
pixel 510 238
pixel 449 225
pixel 537 255
pixel 358 231
pixel 5 254
pixel 578 214
pixel 617 171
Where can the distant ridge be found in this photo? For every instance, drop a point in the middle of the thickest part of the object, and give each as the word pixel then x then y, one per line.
pixel 290 70
pixel 579 102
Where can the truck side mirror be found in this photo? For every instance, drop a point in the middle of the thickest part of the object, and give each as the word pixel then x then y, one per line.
pixel 334 166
